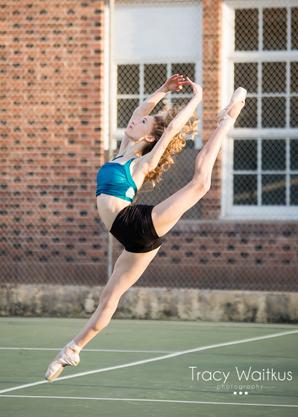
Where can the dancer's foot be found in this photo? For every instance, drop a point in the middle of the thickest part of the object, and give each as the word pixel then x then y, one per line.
pixel 68 356
pixel 233 109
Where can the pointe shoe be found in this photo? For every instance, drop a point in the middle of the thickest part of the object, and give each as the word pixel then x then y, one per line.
pixel 68 356
pixel 238 95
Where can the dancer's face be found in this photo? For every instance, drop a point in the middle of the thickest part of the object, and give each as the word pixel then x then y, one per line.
pixel 140 127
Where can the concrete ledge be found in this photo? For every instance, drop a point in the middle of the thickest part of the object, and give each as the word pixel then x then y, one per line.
pixel 151 303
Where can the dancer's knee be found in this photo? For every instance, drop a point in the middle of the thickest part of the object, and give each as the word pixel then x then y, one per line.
pixel 202 177
pixel 201 182
pixel 109 301
pixel 106 308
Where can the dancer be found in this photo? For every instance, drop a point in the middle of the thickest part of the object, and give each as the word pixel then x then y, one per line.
pixel 145 153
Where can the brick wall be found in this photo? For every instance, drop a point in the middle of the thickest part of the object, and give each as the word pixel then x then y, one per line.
pixel 51 147
pixel 51 136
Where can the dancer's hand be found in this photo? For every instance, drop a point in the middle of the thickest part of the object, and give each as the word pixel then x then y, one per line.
pixel 174 83
pixel 196 88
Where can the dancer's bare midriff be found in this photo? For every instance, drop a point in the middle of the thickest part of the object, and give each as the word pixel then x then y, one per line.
pixel 108 207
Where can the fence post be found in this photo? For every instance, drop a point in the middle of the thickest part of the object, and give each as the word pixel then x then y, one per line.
pixel 111 38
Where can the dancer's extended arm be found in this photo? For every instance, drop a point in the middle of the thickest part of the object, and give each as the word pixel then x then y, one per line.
pixel 151 159
pixel 144 109
pixel 148 105
pixel 174 83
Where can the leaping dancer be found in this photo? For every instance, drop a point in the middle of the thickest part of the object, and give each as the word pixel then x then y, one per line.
pixel 145 153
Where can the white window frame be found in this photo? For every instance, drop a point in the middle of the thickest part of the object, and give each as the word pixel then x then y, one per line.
pixel 228 57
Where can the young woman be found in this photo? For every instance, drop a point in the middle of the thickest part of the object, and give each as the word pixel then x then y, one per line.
pixel 145 152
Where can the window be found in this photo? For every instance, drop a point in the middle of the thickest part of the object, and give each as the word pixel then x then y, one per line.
pixel 260 154
pixel 148 49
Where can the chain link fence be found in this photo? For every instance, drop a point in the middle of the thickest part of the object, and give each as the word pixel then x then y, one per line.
pixel 243 233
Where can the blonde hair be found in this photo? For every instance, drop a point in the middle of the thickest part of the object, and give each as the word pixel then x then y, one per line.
pixel 178 142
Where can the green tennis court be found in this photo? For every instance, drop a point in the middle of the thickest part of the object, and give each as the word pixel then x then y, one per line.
pixel 149 368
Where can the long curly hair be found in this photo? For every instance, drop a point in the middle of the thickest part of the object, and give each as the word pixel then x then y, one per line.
pixel 162 120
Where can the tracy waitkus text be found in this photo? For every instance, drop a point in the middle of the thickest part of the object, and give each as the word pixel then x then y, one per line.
pixel 248 374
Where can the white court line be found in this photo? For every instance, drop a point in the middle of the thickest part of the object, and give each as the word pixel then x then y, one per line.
pixel 88 350
pixel 148 400
pixel 158 358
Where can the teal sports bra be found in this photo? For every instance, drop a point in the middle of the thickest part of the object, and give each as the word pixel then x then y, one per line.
pixel 115 179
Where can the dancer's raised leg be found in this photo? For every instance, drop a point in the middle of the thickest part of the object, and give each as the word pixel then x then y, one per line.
pixel 166 214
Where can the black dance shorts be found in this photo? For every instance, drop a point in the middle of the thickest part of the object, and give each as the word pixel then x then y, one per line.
pixel 133 227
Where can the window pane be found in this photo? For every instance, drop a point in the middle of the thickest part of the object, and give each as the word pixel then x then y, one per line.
pixel 245 155
pixel 294 19
pixel 245 190
pixel 294 77
pixel 273 112
pixel 246 29
pixel 274 77
pixel 274 29
pixel 125 109
pixel 273 154
pixel 246 74
pixel 186 69
pixel 274 190
pixel 128 79
pixel 294 190
pixel 154 76
pixel 294 154
pixel 294 112
pixel 248 115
